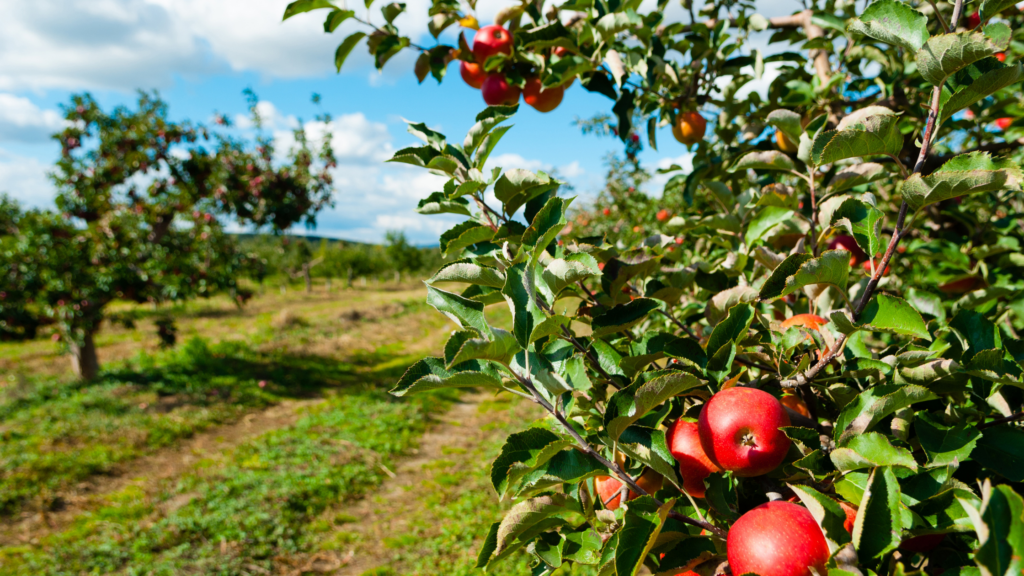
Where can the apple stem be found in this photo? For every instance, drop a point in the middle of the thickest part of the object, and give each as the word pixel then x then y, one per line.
pixel 922 157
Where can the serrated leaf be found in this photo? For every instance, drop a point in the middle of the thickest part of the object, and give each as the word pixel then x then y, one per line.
pixel 877 529
pixel 991 8
pixel 687 350
pixel 1001 449
pixel 873 131
pixel 335 18
pixel 766 219
pixel 862 221
pixel 501 347
pixel 300 6
pixel 978 89
pixel 641 525
pixel 485 122
pixel 522 452
pixel 730 330
pixel 787 121
pixel 874 404
pixel 464 235
pixel 886 313
pixel 436 203
pixel 648 446
pixel 942 55
pixel 945 445
pixel 345 48
pixel 524 518
pixel 763 160
pixel 632 403
pixel 430 374
pixel 870 450
pixel 561 273
pixel 827 514
pixel 965 174
pixel 415 155
pixel 623 316
pixel 521 297
pixel 799 270
pixel 546 225
pixel 464 312
pixel 470 273
pixel 1000 528
pixel 893 22
pixel 856 175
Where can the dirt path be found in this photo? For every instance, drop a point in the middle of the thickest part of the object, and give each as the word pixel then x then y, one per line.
pixel 150 472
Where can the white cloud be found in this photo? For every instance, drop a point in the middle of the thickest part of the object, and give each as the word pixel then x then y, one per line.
pixel 25 180
pixel 656 185
pixel 23 121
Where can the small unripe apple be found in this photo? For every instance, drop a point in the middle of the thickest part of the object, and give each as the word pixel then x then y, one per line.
pixel 777 539
pixel 498 92
pixel 473 74
pixel 784 143
pixel 662 215
pixel 850 245
pixel 689 128
pixel 694 465
pixel 739 430
pixel 540 98
pixel 489 41
pixel 1004 123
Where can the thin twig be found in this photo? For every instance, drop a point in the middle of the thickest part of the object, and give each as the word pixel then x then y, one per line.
pixel 998 421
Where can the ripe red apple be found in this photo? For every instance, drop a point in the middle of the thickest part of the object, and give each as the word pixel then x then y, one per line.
pixel 922 544
pixel 739 430
pixel 662 215
pixel 962 286
pixel 850 245
pixel 795 403
pixel 851 515
pixel 498 92
pixel 679 240
pixel 689 128
pixel 606 211
pixel 777 539
pixel 867 268
pixel 812 321
pixel 489 41
pixel 542 99
pixel 560 51
pixel 694 465
pixel 608 486
pixel 473 74
pixel 1004 123
pixel 1001 56
pixel 973 20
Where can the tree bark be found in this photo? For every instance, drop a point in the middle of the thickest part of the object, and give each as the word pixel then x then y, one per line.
pixel 84 363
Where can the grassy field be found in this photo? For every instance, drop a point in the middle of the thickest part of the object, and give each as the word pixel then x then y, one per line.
pixel 265 443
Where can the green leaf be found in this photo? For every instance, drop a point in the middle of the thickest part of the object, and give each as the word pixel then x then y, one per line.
pixel 467 345
pixel 893 22
pixel 870 450
pixel 943 55
pixel 787 121
pixel 936 375
pixel 763 160
pixel 1000 528
pixel 870 131
pixel 945 445
pixel 632 403
pixel 391 11
pixel 732 329
pixel 623 316
pixel 687 350
pixel 464 271
pixel 464 235
pixel 546 225
pixel 799 270
pixel 415 155
pixel 525 520
pixel 464 312
pixel 878 527
pixel 965 174
pixel 522 453
pixel 436 203
pixel 562 273
pixel 981 85
pixel 826 512
pixel 300 6
pixel 874 404
pixel 335 18
pixel 642 523
pixel 766 219
pixel 549 326
pixel 1001 449
pixel 980 332
pixel 991 8
pixel 862 221
pixel 485 122
pixel 856 175
pixel 885 313
pixel 342 53
pixel 430 374
pixel 521 297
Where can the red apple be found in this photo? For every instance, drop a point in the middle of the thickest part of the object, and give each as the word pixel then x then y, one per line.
pixel 739 430
pixel 795 403
pixel 489 41
pixel 560 51
pixel 679 240
pixel 922 544
pixel 498 92
pixel 962 286
pixel 973 20
pixel 812 321
pixel 851 515
pixel 694 465
pixel 1004 123
pixel 867 268
pixel 608 486
pixel 662 215
pixel 777 539
pixel 473 74
pixel 1001 56
pixel 850 245
pixel 689 128
pixel 542 99
pixel 606 211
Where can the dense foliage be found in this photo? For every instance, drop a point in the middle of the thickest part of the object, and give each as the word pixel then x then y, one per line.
pixel 138 201
pixel 846 252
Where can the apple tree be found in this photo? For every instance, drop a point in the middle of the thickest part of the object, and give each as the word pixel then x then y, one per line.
pixel 140 202
pixel 810 362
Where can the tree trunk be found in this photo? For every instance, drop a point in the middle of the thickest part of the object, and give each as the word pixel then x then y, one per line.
pixel 349 277
pixel 307 278
pixel 328 281
pixel 84 363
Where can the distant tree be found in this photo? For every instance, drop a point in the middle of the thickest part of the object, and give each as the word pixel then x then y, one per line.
pixel 404 256
pixel 139 198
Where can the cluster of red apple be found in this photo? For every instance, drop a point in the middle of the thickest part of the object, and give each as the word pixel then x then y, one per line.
pixel 495 87
pixel 738 430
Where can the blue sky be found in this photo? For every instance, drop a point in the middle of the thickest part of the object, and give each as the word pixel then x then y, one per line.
pixel 201 54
